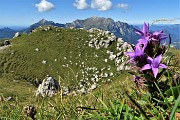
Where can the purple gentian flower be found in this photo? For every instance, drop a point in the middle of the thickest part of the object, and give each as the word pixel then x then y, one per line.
pixel 138 52
pixel 154 64
pixel 158 36
pixel 145 31
pixel 143 43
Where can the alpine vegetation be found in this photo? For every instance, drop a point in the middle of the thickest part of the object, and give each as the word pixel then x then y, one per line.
pixel 154 80
pixel 70 73
pixel 66 54
pixel 148 51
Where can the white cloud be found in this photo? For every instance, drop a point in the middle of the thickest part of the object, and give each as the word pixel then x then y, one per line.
pixel 167 21
pixel 123 6
pixel 101 5
pixel 81 4
pixel 44 6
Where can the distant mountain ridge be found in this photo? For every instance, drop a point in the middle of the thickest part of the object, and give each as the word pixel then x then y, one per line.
pixel 120 29
pixel 42 22
pixel 7 32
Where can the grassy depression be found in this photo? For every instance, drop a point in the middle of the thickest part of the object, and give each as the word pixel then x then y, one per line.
pixel 58 52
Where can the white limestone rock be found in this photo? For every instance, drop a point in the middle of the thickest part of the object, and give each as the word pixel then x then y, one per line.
pixel 48 87
pixel 17 35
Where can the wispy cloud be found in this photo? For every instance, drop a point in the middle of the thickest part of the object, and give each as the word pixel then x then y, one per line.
pixel 101 5
pixel 81 4
pixel 44 6
pixel 167 21
pixel 123 6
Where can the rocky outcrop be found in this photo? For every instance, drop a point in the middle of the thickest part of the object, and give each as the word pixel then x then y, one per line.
pixel 104 38
pixel 48 87
pixel 7 42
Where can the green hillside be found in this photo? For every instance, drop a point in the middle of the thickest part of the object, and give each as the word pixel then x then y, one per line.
pixel 74 57
pixel 58 52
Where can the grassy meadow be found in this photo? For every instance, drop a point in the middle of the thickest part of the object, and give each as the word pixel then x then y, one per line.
pixel 65 55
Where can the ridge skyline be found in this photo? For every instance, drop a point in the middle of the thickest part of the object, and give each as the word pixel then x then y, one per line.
pixel 18 27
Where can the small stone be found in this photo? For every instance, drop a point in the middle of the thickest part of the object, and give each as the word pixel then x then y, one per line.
pixel 17 35
pixel 44 62
pixel 93 86
pixel 10 99
pixel 37 49
pixel 105 60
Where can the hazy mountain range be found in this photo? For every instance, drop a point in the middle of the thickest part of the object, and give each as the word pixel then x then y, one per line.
pixel 120 29
pixel 7 32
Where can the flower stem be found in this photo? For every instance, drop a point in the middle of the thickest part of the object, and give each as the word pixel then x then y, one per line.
pixel 166 101
pixel 174 108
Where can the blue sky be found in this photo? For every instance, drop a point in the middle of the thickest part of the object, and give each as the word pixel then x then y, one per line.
pixel 27 12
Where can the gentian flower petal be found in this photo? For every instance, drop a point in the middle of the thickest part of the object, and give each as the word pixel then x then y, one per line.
pixel 150 60
pixel 146 67
pixel 145 28
pixel 155 71
pixel 157 60
pixel 143 42
pixel 162 66
pixel 158 36
pixel 131 54
pixel 144 31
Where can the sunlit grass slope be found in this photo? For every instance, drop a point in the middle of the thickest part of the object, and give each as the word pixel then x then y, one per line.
pixel 56 52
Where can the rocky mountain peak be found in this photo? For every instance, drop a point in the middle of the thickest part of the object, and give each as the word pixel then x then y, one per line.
pixel 45 22
pixel 42 21
pixel 6 28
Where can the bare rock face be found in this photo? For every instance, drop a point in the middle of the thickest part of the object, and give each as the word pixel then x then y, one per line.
pixel 48 87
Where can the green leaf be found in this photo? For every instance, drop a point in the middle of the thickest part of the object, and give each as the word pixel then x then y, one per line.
pixel 173 91
pixel 174 108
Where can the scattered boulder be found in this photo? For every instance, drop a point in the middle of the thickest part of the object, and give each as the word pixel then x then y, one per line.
pixel 10 99
pixel 48 87
pixel 17 35
pixel 7 42
pixel 37 49
pixel 44 62
pixel 93 86
pixel 47 28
